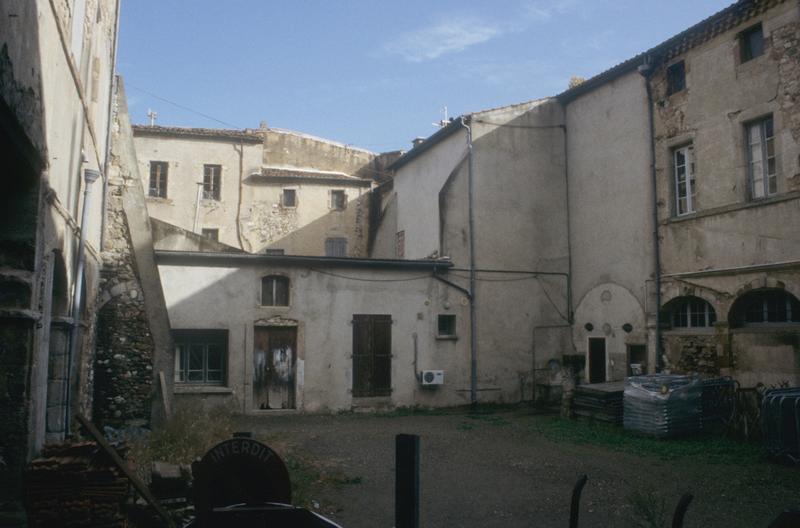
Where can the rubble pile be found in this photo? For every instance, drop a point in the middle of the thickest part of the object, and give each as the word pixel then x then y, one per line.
pixel 75 484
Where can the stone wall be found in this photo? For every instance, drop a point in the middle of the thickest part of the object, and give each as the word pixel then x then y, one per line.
pixel 123 372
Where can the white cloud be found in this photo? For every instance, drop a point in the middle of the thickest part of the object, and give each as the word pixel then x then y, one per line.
pixel 543 10
pixel 452 36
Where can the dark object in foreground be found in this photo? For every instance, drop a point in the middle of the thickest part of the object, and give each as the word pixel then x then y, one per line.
pixel 406 488
pixel 680 510
pixel 242 483
pixel 574 507
pixel 780 424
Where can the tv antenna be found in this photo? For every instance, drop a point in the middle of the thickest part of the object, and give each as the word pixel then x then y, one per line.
pixel 152 116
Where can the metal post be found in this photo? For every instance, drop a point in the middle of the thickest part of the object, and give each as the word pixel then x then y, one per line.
pixel 406 486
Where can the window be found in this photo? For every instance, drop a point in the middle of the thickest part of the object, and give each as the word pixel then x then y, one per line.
pixel 289 198
pixel 212 234
pixel 751 43
pixel 212 179
pixel 676 78
pixel 200 356
pixel 158 179
pixel 338 200
pixel 400 244
pixel 761 158
pixel 692 312
pixel 765 307
pixel 275 291
pixel 683 167
pixel 335 247
pixel 446 325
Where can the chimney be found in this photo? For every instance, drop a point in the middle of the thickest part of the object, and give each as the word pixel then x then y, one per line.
pixel 417 141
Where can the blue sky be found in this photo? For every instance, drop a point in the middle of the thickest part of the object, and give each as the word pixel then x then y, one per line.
pixel 372 73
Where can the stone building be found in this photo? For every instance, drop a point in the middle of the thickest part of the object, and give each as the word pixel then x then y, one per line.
pixel 258 190
pixel 677 171
pixel 56 91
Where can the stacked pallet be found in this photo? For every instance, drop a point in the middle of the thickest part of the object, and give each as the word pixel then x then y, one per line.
pixel 75 484
pixel 599 401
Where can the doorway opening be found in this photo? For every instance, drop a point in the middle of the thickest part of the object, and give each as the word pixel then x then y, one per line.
pixel 597 360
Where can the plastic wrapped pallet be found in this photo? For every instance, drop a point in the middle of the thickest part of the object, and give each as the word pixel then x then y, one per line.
pixel 663 405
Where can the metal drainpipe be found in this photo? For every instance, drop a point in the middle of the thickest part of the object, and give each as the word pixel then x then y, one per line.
pixel 646 70
pixel 89 177
pixel 112 105
pixel 473 334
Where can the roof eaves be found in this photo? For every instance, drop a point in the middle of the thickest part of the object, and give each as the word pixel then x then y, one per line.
pixel 198 258
pixel 440 135
pixel 694 36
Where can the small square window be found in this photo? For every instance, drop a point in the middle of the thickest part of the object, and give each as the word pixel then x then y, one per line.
pixel 751 43
pixel 676 78
pixel 446 325
pixel 212 234
pixel 289 198
pixel 338 200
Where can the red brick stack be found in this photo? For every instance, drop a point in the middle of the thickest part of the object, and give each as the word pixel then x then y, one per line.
pixel 75 484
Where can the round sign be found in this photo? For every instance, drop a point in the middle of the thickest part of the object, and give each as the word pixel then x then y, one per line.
pixel 240 471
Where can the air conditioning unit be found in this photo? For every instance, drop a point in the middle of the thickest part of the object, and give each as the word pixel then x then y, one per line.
pixel 432 377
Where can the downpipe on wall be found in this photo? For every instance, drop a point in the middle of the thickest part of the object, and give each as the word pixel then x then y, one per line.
pixel 473 343
pixel 89 177
pixel 646 71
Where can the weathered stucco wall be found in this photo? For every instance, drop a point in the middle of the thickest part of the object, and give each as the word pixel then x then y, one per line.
pixel 728 229
pixel 186 157
pixel 322 305
pixel 417 187
pixel 610 215
pixel 284 148
pixel 303 229
pixel 250 213
pixel 54 99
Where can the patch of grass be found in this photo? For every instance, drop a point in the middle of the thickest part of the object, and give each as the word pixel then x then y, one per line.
pixel 710 449
pixel 648 509
pixel 186 436
pixel 309 480
pixel 491 419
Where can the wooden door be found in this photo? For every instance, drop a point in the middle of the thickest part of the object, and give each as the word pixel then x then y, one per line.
pixel 274 360
pixel 372 355
pixel 597 360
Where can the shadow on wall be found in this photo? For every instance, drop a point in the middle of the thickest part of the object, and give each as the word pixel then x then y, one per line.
pixel 352 224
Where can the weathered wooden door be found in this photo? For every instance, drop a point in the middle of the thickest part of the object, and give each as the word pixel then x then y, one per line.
pixel 372 355
pixel 274 357
pixel 597 360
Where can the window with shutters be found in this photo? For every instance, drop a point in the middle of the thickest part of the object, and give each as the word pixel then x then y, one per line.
pixel 335 247
pixel 372 355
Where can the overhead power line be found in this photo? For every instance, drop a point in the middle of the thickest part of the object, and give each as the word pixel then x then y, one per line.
pixel 184 107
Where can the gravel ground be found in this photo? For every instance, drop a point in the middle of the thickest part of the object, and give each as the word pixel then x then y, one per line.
pixel 499 470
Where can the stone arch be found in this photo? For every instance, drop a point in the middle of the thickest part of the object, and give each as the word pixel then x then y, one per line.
pixel 672 291
pixel 791 308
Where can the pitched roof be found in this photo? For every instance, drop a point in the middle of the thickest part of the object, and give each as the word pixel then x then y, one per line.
pixel 199 133
pixel 698 34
